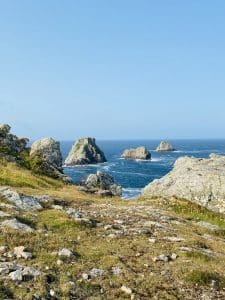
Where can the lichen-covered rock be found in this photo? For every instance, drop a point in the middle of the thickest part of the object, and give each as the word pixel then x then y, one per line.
pixel 198 180
pixel 10 145
pixel 85 151
pixel 164 146
pixel 102 184
pixel 15 224
pixel 20 201
pixel 46 158
pixel 138 153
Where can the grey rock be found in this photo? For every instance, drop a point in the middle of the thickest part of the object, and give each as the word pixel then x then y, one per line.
pixel 138 153
pixel 20 252
pixel 19 200
pixel 164 146
pixel 116 271
pixel 3 249
pixel 201 181
pixel 96 272
pixel 174 239
pixel 85 151
pixel 165 258
pixel 65 252
pixel 3 214
pixel 208 225
pixel 24 274
pixel 15 224
pixel 101 184
pixel 7 267
pixel 48 151
pixel 126 290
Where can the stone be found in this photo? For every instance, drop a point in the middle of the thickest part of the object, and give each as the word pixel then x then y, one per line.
pixel 164 146
pixel 24 274
pixel 3 249
pixel 174 239
pixel 165 258
pixel 138 153
pixel 96 273
pixel 3 214
pixel 208 225
pixel 101 184
pixel 7 267
pixel 116 271
pixel 126 290
pixel 85 151
pixel 15 224
pixel 19 200
pixel 201 181
pixel 20 252
pixel 46 158
pixel 65 252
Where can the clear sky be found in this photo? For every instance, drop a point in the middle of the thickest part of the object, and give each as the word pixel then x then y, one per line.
pixel 113 69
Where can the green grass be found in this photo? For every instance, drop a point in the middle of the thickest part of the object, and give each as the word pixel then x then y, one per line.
pixel 199 255
pixel 16 176
pixel 197 213
pixel 205 278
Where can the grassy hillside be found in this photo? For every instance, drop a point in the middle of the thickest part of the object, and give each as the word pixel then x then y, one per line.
pixel 121 238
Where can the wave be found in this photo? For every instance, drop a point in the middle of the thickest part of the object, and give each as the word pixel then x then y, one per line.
pixel 130 173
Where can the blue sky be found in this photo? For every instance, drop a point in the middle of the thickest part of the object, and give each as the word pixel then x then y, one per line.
pixel 113 69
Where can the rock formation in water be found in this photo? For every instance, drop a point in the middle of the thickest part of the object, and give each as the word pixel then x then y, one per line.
pixel 46 158
pixel 102 184
pixel 198 180
pixel 138 153
pixel 85 151
pixel 164 146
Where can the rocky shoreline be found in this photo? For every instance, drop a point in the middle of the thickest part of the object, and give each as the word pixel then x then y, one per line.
pixel 62 241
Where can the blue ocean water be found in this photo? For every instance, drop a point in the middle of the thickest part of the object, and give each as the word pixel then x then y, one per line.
pixel 134 175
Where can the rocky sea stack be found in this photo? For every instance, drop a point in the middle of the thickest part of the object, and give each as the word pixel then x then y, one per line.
pixel 138 153
pixel 164 146
pixel 198 180
pixel 46 158
pixel 85 151
pixel 101 184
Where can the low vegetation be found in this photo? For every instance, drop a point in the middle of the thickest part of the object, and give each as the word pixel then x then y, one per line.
pixel 125 236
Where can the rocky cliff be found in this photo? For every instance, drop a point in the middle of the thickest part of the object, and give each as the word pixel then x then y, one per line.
pixel 198 180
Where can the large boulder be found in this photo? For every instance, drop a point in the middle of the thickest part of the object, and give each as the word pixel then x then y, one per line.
pixel 46 158
pixel 101 184
pixel 138 153
pixel 198 180
pixel 85 151
pixel 10 145
pixel 164 146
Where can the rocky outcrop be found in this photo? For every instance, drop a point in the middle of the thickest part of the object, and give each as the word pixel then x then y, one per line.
pixel 198 180
pixel 10 145
pixel 102 184
pixel 164 146
pixel 85 151
pixel 46 158
pixel 138 153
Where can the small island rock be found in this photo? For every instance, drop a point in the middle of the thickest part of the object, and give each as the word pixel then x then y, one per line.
pixel 138 153
pixel 201 181
pixel 164 146
pixel 85 151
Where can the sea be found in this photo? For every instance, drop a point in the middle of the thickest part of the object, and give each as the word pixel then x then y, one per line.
pixel 134 175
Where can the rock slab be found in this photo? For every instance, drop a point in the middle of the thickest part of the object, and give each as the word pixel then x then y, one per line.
pixel 201 181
